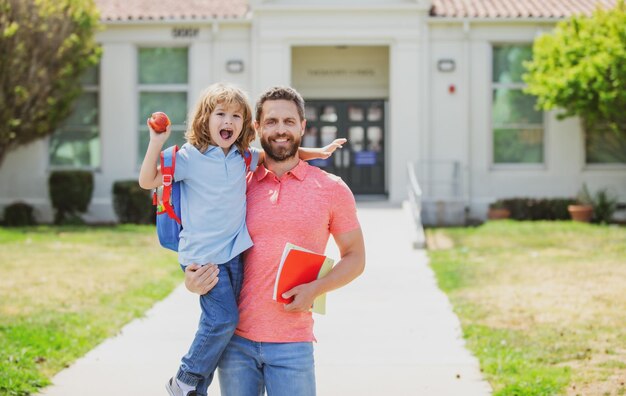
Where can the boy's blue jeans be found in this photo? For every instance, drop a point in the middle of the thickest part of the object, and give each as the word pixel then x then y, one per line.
pixel 248 368
pixel 218 322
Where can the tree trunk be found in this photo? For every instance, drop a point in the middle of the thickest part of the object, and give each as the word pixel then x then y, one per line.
pixel 3 152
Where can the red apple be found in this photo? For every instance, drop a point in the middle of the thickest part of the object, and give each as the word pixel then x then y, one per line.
pixel 159 122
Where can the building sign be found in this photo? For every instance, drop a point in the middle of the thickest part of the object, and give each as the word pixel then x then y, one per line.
pixel 321 163
pixel 184 32
pixel 341 72
pixel 365 158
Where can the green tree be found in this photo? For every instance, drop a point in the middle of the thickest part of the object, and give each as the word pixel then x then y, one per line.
pixel 581 68
pixel 46 46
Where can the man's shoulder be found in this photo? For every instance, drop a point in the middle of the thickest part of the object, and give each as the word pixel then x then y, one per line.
pixel 327 180
pixel 321 175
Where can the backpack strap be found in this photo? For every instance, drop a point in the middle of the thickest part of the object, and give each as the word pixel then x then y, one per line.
pixel 168 165
pixel 247 157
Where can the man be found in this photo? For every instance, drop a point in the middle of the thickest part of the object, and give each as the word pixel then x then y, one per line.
pixel 288 201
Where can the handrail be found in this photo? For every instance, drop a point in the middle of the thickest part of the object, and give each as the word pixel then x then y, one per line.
pixel 415 203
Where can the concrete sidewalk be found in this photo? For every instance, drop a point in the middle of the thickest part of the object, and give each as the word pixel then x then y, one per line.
pixel 390 332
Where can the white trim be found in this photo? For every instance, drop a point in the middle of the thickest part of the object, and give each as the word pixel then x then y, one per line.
pixel 90 88
pixel 151 88
pixel 163 87
pixel 493 166
pixel 607 167
pixel 466 171
pixel 326 7
pixel 512 85
pixel 463 20
pixel 246 20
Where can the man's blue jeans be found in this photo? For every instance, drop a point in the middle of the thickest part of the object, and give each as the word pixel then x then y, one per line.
pixel 218 322
pixel 248 368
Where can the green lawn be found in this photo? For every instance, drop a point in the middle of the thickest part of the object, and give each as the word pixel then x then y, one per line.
pixel 63 290
pixel 542 304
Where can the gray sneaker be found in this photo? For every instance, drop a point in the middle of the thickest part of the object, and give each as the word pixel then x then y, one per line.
pixel 174 390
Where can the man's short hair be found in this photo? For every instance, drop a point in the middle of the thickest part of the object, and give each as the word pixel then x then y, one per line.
pixel 280 93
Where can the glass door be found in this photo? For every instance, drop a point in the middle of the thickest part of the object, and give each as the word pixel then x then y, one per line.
pixel 361 162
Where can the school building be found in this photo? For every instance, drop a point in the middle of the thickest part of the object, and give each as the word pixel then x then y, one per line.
pixel 433 82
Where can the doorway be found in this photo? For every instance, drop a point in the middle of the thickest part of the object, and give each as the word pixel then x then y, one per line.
pixel 361 162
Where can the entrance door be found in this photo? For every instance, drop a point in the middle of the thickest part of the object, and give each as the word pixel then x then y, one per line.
pixel 361 161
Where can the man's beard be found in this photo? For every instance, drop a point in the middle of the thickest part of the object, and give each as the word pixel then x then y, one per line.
pixel 284 153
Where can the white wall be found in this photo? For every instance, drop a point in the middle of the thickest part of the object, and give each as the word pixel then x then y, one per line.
pixel 277 30
pixel 426 123
pixel 460 124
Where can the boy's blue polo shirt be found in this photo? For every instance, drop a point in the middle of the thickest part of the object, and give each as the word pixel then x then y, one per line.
pixel 213 204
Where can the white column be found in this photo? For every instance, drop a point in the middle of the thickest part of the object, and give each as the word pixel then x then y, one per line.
pixel 404 119
pixel 273 66
pixel 201 69
pixel 118 111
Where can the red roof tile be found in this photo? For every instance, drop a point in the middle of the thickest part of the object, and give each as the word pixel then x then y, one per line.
pixel 515 8
pixel 138 10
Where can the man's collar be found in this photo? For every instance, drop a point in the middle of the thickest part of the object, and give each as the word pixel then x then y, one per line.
pixel 299 171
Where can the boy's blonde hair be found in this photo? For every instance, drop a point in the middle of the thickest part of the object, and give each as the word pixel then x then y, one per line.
pixel 197 133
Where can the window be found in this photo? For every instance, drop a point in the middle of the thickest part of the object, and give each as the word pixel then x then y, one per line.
pixel 604 146
pixel 163 86
pixel 518 132
pixel 76 143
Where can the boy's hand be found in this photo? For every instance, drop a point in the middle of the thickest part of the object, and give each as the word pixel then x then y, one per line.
pixel 327 151
pixel 159 137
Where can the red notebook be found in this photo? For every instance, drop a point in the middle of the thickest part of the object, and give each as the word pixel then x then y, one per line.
pixel 298 266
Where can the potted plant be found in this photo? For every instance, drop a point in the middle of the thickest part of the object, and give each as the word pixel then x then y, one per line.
pixel 498 211
pixel 582 210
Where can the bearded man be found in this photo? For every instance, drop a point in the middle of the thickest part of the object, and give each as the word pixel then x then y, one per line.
pixel 291 201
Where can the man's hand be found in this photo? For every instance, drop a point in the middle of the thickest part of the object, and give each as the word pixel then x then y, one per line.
pixel 327 151
pixel 303 297
pixel 201 279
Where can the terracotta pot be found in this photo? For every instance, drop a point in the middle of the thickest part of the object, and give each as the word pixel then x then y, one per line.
pixel 582 213
pixel 497 214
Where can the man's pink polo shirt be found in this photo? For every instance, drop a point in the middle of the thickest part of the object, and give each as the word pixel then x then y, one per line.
pixel 303 207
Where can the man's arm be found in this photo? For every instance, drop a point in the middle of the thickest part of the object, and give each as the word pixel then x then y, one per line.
pixel 352 263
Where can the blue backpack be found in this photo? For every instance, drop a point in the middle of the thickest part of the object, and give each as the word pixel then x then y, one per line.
pixel 167 200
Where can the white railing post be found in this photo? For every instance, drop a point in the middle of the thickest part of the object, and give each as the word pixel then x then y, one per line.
pixel 415 204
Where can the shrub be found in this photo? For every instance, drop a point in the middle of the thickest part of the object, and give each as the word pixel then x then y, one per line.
pixel 578 68
pixel 70 194
pixel 604 206
pixel 19 214
pixel 132 204
pixel 538 208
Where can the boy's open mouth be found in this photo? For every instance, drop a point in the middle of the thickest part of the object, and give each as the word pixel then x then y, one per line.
pixel 226 134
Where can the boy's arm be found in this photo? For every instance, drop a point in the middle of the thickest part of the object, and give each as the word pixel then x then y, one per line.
pixel 308 153
pixel 261 158
pixel 150 175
